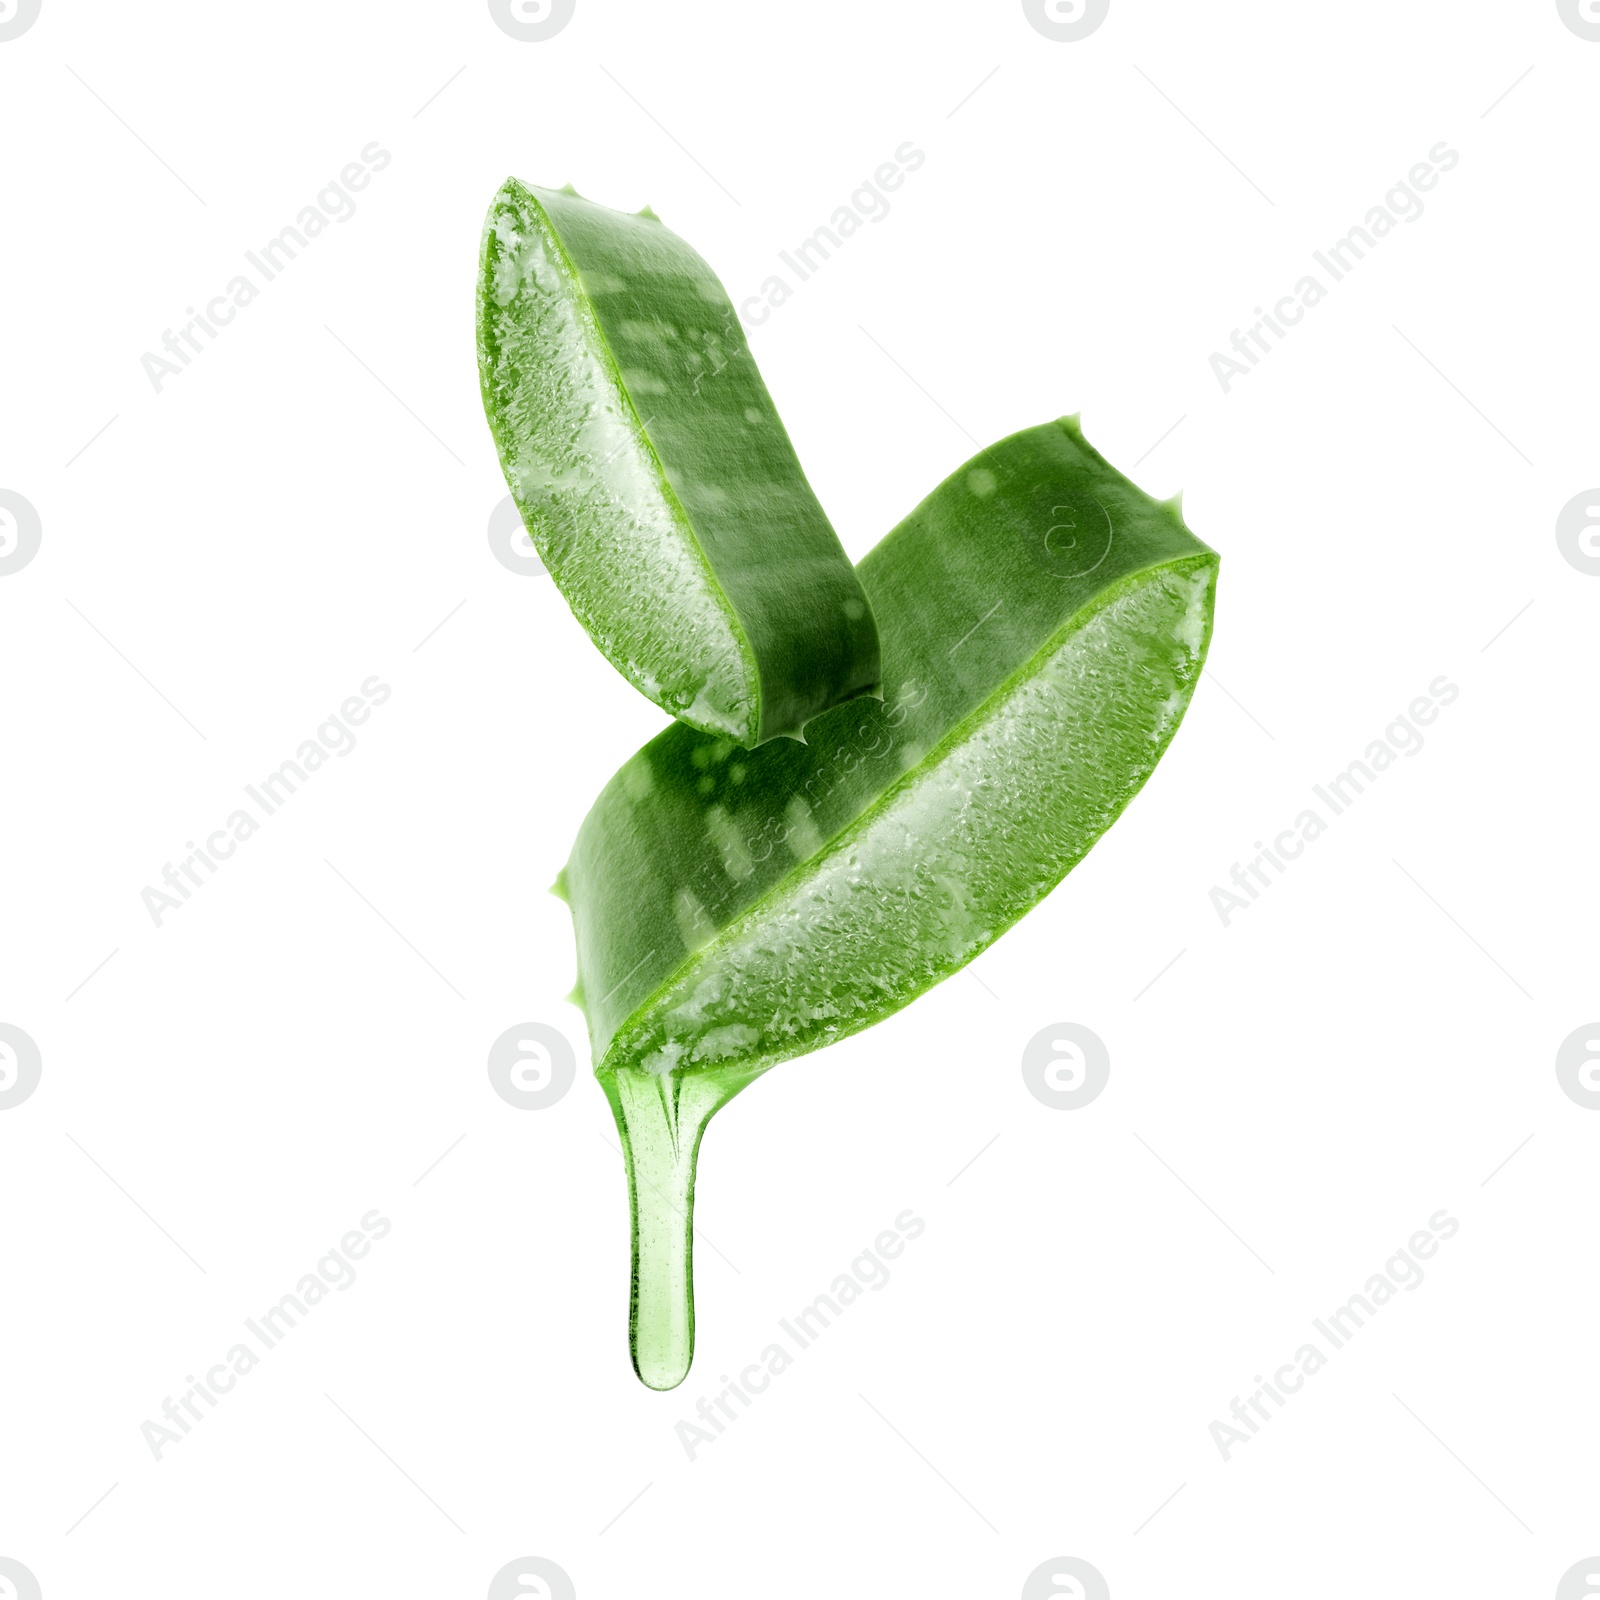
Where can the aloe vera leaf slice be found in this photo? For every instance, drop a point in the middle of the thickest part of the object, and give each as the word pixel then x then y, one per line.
pixel 1044 624
pixel 653 474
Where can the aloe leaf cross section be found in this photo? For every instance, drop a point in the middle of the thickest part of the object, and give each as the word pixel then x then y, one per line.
pixel 1044 623
pixel 654 475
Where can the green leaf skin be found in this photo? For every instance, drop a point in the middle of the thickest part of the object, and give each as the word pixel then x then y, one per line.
pixel 653 474
pixel 1044 623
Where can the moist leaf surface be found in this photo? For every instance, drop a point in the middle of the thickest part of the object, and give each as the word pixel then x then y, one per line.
pixel 654 475
pixel 1044 622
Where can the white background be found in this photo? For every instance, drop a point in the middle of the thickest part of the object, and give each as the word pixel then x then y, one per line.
pixel 1289 1100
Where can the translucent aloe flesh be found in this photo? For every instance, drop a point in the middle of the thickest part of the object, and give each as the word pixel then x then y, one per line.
pixel 654 475
pixel 1044 624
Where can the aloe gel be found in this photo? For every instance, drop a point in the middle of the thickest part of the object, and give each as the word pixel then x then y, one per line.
pixel 1044 623
pixel 654 475
pixel 660 1119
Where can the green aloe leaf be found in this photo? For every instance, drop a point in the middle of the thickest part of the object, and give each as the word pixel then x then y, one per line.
pixel 653 474
pixel 1044 624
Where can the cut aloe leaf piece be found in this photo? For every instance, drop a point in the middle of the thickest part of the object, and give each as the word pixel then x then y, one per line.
pixel 653 474
pixel 1044 624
